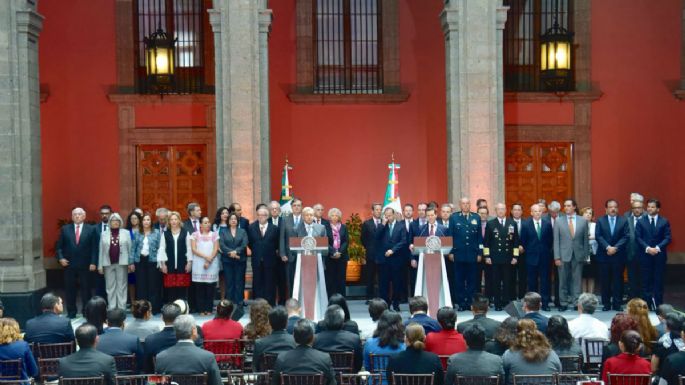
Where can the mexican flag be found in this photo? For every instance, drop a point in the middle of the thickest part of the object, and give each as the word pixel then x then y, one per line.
pixel 392 192
pixel 286 189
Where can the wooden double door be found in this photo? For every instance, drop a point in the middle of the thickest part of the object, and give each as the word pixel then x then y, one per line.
pixel 171 176
pixel 535 170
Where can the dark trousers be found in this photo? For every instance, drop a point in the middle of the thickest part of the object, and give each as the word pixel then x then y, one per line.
pixel 412 280
pixel 335 276
pixel 520 273
pixel 634 278
pixel 71 276
pixel 449 268
pixel 485 275
pixel 539 272
pixel 556 287
pixel 611 279
pixel 171 294
pixel 149 283
pixel 234 279
pixel 390 274
pixel 370 271
pixel 465 278
pixel 282 282
pixel 263 282
pixel 652 272
pixel 204 296
pixel 501 283
pixel 290 273
pixel 97 285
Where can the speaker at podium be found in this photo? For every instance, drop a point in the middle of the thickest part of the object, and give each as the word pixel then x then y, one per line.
pixel 431 273
pixel 309 286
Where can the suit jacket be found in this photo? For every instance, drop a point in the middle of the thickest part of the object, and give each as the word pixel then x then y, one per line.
pixel 243 223
pixel 462 364
pixel 649 236
pixel 397 242
pixel 292 320
pixel 467 237
pixel 490 325
pixel 88 362
pixel 272 221
pixel 500 241
pixel 424 231
pixel 672 367
pixel 287 230
pixel 540 320
pixel 340 341
pixel 48 328
pixel 116 342
pixel 412 361
pixel 317 230
pixel 631 248
pixel 538 250
pixel 277 342
pixel 567 248
pixel 618 239
pixel 188 225
pixel 304 359
pixel 344 243
pixel 186 358
pixel 368 239
pixel 125 248
pixel 158 342
pixel 85 253
pixel 20 349
pixel 429 324
pixel 264 248
pixel 228 243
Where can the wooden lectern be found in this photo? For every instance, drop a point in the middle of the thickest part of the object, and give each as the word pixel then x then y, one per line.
pixel 431 274
pixel 309 286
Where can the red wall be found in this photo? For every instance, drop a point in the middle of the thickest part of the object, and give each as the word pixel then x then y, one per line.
pixel 340 153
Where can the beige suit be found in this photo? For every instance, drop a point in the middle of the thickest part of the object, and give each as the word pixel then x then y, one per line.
pixel 116 275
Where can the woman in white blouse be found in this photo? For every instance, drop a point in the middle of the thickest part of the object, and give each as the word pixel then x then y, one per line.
pixel 149 259
pixel 175 244
pixel 115 261
pixel 590 268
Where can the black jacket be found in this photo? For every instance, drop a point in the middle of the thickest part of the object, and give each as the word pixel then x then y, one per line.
pixel 489 324
pixel 304 359
pixel 412 361
pixel 48 328
pixel 186 358
pixel 277 342
pixel 340 341
pixel 88 363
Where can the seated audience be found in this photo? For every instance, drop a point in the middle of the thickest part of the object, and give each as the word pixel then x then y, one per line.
pixel 12 347
pixel 447 341
pixel 661 312
pixel 87 361
pixel 671 342
pixel 49 327
pixel 531 354
pixel 277 342
pixel 418 307
pixel 258 326
pixel 222 327
pixel 166 338
pixel 586 325
pixel 479 307
pixel 142 324
pixel 376 307
pixel 560 338
pixel 294 310
pixel 504 338
pixel 115 342
pixel 335 339
pixel 304 359
pixel 2 309
pixel 462 364
pixel 638 309
pixel 95 313
pixel 350 326
pixel 414 360
pixel 185 310
pixel 629 361
pixel 673 367
pixel 387 339
pixel 186 358
pixel 619 324
pixel 531 307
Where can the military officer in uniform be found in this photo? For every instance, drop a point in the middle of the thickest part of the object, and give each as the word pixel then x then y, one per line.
pixel 467 240
pixel 500 250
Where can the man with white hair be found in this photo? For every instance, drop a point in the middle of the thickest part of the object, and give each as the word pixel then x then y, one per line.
pixel 536 239
pixel 162 215
pixel 263 241
pixel 281 267
pixel 634 198
pixel 275 211
pixel 308 227
pixel 185 357
pixel 465 228
pixel 586 325
pixel 77 252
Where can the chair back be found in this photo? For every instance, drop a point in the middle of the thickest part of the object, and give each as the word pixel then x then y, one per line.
pixel 412 379
pixel 539 379
pixel 268 361
pixel 343 362
pixel 378 362
pixel 681 380
pixel 55 350
pixel 629 379
pixel 228 353
pixel 48 368
pixel 30 381
pixel 593 349
pixel 477 380
pixel 571 364
pixel 126 364
pixel 245 378
pixel 141 379
pixel 574 378
pixel 99 380
pixel 10 369
pixel 189 379
pixel 302 379
pixel 359 378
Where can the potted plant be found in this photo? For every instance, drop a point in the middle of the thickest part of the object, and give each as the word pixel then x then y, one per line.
pixel 355 249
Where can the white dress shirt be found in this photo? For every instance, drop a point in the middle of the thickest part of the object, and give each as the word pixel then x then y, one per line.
pixel 587 326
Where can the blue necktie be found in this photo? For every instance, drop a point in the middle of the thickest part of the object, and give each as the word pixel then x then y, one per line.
pixel 612 224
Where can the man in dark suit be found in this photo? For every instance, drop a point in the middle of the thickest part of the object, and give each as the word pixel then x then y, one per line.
pixel 185 357
pixel 115 342
pixel 263 241
pixel 77 252
pixel 275 213
pixel 87 362
pixel 418 308
pixel 162 216
pixel 408 221
pixel 519 279
pixel 319 219
pixel 501 250
pixel 467 252
pixel 192 224
pixel 474 361
pixel 288 229
pixel 157 342
pixel 536 241
pixel 479 307
pixel 612 233
pixel 415 229
pixel 294 309
pixel 278 341
pixel 49 327
pixel 430 228
pixel 236 208
pixel 304 359
pixel 531 308
pixel 632 257
pixel 368 239
pixel 653 234
pixel 281 267
pixel 391 241
pixel 335 339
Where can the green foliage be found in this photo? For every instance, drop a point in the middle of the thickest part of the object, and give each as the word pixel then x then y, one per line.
pixel 355 248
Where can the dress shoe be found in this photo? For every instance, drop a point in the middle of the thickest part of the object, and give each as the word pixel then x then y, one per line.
pixel 562 308
pixel 545 308
pixel 498 308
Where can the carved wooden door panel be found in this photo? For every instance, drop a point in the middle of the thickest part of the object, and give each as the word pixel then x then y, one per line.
pixel 538 170
pixel 171 176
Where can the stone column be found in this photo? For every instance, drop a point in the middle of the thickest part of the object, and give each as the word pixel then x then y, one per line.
pixel 475 125
pixel 21 232
pixel 241 29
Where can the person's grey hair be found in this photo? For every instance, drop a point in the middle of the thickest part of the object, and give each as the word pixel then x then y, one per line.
pixel 588 302
pixel 275 204
pixel 115 217
pixel 335 211
pixel 637 197
pixel 183 326
pixel 192 206
pixel 554 206
pixel 318 205
pixel 161 211
pixel 263 210
pixel 78 210
pixel 446 206
pixel 307 210
pixel 334 318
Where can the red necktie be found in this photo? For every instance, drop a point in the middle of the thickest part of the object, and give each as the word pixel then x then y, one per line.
pixel 78 233
pixel 432 230
pixel 195 225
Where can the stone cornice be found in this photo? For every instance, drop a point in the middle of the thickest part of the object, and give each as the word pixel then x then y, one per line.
pixel 541 97
pixel 117 98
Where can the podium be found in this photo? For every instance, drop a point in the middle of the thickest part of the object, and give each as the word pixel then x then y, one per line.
pixel 309 286
pixel 431 274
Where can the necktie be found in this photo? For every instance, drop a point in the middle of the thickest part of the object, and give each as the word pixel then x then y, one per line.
pixel 501 222
pixel 612 223
pixel 392 225
pixel 104 228
pixel 309 230
pixel 78 233
pixel 570 227
pixel 407 223
pixel 297 221
pixel 538 230
pixel 263 229
pixel 195 225
pixel 431 232
pixel 652 222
